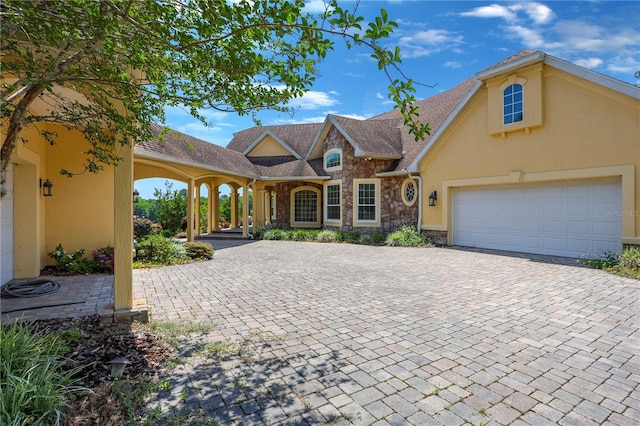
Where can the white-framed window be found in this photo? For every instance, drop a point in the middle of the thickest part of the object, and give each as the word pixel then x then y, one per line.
pixel 513 104
pixel 409 192
pixel 366 202
pixel 333 160
pixel 305 208
pixel 333 202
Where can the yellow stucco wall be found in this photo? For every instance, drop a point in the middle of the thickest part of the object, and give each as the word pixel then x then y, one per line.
pixel 586 131
pixel 268 147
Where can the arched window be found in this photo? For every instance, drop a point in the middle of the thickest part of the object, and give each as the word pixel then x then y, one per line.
pixel 305 209
pixel 333 160
pixel 513 104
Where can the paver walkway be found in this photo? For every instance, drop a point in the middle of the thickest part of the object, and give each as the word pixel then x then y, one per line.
pixel 309 333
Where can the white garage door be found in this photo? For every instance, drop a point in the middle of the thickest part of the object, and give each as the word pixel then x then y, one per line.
pixel 562 219
pixel 6 230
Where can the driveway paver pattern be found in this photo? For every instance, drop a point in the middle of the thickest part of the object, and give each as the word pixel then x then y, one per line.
pixel 310 333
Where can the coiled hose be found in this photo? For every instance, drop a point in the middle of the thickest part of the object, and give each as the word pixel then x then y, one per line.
pixel 33 288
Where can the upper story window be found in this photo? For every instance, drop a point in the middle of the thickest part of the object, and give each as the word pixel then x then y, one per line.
pixel 513 104
pixel 333 160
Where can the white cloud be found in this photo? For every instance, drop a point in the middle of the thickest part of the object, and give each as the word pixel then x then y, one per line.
pixel 313 100
pixel 452 64
pixel 424 43
pixel 627 65
pixel 529 37
pixel 492 11
pixel 315 6
pixel 380 96
pixel 589 62
pixel 537 12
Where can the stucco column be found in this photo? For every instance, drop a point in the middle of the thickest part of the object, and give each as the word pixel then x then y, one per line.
pixel 234 208
pixel 259 211
pixel 123 228
pixel 267 208
pixel 245 210
pixel 214 208
pixel 190 217
pixel 197 211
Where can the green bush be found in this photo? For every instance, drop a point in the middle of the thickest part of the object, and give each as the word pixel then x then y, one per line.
pixel 199 250
pixel 327 236
pixel 272 234
pixel 630 258
pixel 102 260
pixel 155 249
pixel 70 263
pixel 34 385
pixel 407 236
pixel 142 227
pixel 353 236
pixel 379 238
pixel 608 260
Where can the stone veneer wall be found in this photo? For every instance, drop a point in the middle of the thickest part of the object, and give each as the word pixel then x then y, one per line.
pixel 393 211
pixel 283 201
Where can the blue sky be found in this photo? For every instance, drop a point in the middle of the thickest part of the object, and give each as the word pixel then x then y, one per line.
pixel 442 44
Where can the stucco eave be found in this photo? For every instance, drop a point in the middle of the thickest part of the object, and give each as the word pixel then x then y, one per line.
pixel 511 66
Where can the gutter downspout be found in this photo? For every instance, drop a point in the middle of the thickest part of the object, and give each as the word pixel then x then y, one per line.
pixel 419 179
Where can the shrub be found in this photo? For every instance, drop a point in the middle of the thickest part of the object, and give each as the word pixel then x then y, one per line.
pixel 155 249
pixel 199 250
pixel 141 227
pixel 327 236
pixel 378 238
pixel 407 236
pixel 34 385
pixel 102 260
pixel 353 236
pixel 630 258
pixel 178 252
pixel 608 260
pixel 365 239
pixel 272 234
pixel 70 263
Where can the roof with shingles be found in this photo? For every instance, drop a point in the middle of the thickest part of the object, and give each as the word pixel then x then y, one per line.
pixel 381 137
pixel 190 150
pixel 297 136
pixel 433 110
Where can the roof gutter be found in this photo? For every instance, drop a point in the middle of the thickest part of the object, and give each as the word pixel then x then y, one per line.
pixel 292 178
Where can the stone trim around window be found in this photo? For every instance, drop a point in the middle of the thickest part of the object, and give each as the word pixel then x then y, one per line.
pixel 332 160
pixel 330 203
pixel 409 192
pixel 305 204
pixel 366 202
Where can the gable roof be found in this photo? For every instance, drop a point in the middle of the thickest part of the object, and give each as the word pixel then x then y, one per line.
pixel 382 136
pixel 297 137
pixel 511 64
pixel 187 150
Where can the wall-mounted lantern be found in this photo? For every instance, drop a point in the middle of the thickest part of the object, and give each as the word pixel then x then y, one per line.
pixel 46 188
pixel 432 198
pixel 136 196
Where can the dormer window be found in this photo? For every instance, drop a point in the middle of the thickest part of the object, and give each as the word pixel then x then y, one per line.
pixel 333 160
pixel 513 104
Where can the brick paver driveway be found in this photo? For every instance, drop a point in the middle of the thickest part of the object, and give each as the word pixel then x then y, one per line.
pixel 310 333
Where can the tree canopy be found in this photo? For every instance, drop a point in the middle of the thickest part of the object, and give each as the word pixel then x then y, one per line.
pixel 132 58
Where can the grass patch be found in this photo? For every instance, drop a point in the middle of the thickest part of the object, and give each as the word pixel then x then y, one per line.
pixel 173 333
pixel 626 263
pixel 34 385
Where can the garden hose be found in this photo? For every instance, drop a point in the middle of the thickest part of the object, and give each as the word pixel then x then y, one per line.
pixel 33 288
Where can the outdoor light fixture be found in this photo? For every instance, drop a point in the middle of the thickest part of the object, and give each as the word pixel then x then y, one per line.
pixel 117 366
pixel 136 196
pixel 46 188
pixel 432 198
